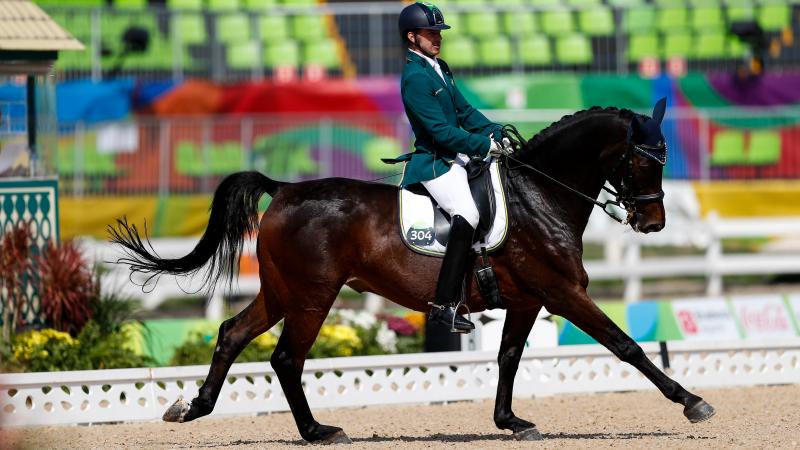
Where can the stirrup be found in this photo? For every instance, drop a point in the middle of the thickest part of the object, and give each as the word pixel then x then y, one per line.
pixel 455 307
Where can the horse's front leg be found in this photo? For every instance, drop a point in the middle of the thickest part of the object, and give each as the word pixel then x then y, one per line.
pixel 516 329
pixel 575 305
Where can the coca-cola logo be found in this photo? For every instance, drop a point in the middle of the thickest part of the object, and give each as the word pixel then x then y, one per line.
pixel 764 318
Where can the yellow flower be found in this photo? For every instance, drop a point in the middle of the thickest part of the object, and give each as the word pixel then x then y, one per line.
pixel 266 340
pixel 417 319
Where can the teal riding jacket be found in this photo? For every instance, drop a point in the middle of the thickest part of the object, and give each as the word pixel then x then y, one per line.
pixel 444 124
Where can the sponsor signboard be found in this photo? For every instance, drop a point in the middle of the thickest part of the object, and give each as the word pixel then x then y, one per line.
pixel 705 319
pixel 794 304
pixel 763 316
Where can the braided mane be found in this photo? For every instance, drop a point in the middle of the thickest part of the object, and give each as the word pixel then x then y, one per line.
pixel 539 139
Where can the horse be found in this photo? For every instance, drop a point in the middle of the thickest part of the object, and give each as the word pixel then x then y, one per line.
pixel 319 235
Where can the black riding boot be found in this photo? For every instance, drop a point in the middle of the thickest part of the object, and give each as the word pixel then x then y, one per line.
pixel 451 275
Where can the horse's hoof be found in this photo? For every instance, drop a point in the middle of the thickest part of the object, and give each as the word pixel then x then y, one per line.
pixel 699 412
pixel 340 437
pixel 177 411
pixel 528 434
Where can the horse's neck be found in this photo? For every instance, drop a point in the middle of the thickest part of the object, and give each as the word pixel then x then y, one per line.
pixel 577 164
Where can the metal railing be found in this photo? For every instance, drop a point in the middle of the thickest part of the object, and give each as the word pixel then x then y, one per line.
pixel 189 155
pixel 370 44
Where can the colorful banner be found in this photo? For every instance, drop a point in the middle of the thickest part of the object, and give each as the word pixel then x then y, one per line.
pixel 763 317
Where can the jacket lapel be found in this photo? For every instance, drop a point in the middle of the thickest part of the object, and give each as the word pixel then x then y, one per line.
pixel 427 67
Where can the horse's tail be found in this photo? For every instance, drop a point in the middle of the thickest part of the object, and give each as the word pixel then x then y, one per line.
pixel 234 213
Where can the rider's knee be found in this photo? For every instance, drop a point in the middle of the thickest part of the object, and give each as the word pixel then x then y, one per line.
pixel 471 215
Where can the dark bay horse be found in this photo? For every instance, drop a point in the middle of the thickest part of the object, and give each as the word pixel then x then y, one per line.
pixel 318 235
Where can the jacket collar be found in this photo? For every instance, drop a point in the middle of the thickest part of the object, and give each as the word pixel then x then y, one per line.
pixel 419 59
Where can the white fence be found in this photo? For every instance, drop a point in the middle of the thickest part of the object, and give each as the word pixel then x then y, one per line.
pixel 622 260
pixel 144 394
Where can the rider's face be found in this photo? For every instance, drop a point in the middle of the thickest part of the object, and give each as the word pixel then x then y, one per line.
pixel 427 42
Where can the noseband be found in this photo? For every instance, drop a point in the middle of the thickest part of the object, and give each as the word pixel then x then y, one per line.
pixel 624 199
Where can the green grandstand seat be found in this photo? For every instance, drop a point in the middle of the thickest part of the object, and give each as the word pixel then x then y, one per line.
pixel 546 3
pixel 481 24
pixel 460 52
pixel 728 148
pixel 509 3
pixel 298 2
pixel 308 28
pixel 740 12
pixel 597 21
pixel 273 27
pixel 705 3
pixel 535 51
pixel 258 5
pixel 574 49
pixel 322 53
pixel 765 148
pixel 190 27
pixel 557 22
pixel 639 19
pixel 668 20
pixel 584 4
pixel 130 4
pixel 711 45
pixel 495 52
pixel 670 3
pixel 157 56
pixel 643 45
pixel 518 23
pixel 284 53
pixel 185 4
pixel 469 2
pixel 93 164
pixel 232 28
pixel 774 16
pixel 624 4
pixel 707 19
pixel 222 5
pixel 242 55
pixel 678 44
pixel 736 48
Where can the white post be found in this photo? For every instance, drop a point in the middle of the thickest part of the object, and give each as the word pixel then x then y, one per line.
pixel 373 303
pixel 633 281
pixel 713 256
pixel 215 307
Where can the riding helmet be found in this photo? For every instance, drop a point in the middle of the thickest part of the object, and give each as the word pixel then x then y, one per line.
pixel 420 15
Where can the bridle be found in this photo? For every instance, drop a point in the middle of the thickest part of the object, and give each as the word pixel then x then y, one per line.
pixel 625 199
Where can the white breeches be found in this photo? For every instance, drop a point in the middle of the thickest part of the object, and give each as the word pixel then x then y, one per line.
pixel 451 192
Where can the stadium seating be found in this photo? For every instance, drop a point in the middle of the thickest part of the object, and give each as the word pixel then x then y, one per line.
pixel 765 148
pixel 567 32
pixel 728 148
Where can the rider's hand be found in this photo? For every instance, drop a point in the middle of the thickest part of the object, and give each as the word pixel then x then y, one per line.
pixel 498 149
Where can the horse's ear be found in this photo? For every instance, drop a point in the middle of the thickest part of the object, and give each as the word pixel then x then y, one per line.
pixel 659 109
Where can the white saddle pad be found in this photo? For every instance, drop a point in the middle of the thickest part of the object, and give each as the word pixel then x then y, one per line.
pixel 416 220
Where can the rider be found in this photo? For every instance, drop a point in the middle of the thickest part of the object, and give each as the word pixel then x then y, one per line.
pixel 448 132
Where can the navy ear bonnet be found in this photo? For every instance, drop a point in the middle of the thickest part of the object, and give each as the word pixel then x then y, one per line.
pixel 645 133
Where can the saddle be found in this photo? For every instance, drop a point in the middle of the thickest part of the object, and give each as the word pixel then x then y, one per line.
pixel 480 186
pixel 425 226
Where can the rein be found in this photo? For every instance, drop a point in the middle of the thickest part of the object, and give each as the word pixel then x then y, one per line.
pixel 623 199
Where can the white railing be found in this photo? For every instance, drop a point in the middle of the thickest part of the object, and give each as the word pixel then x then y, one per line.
pixel 144 394
pixel 622 260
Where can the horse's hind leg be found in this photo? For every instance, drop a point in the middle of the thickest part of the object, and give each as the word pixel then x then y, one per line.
pixel 234 335
pixel 588 317
pixel 516 329
pixel 299 332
